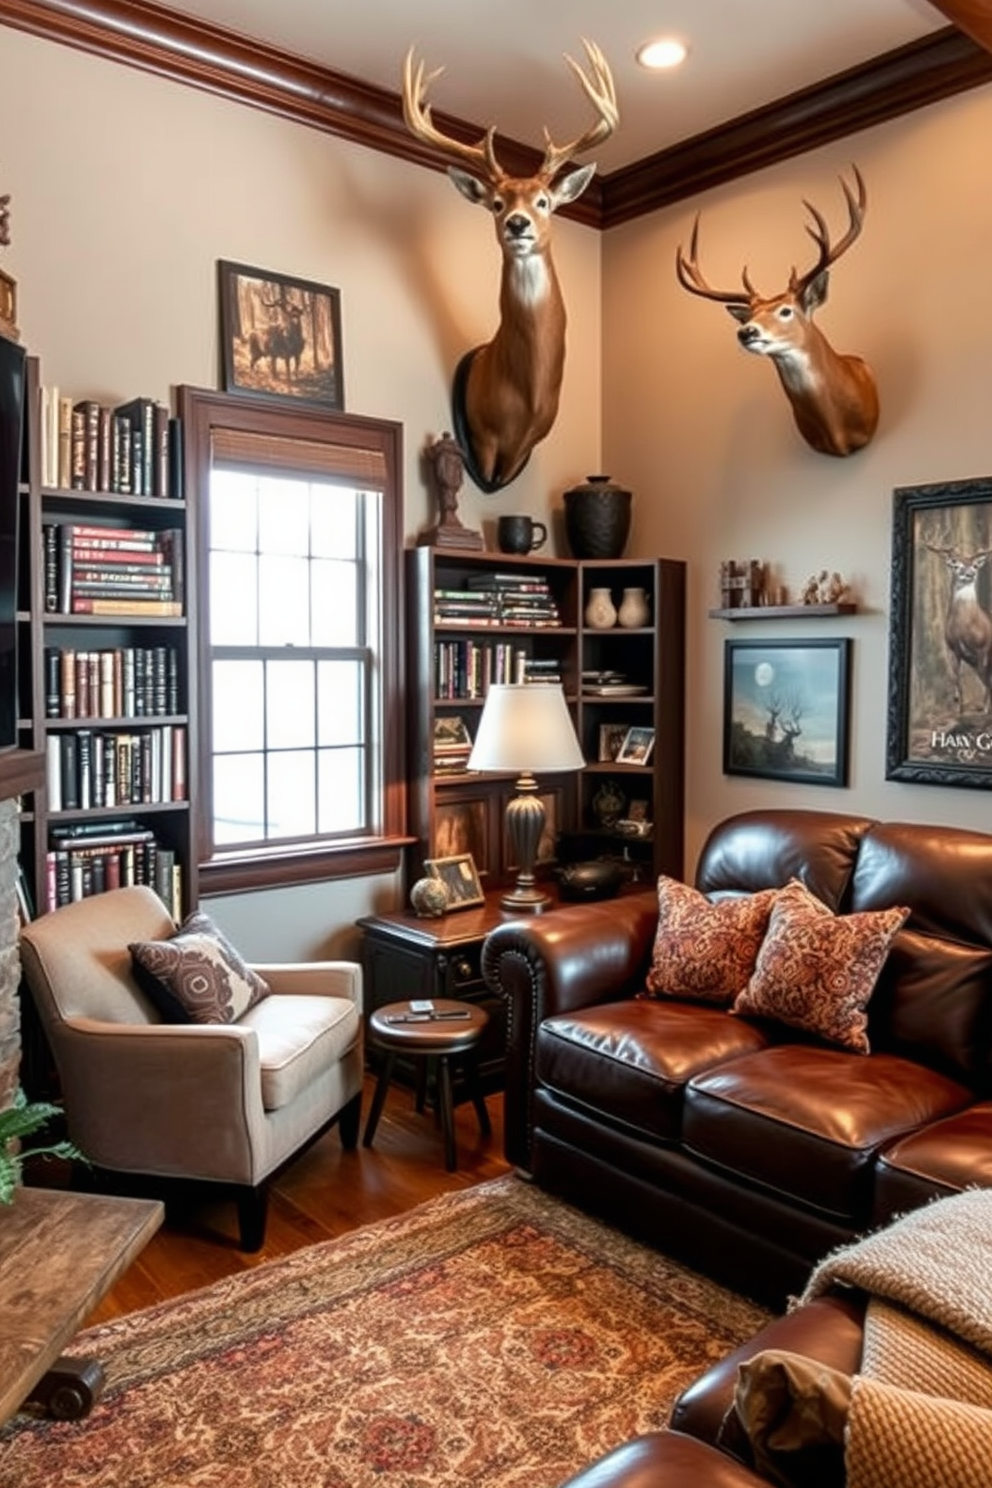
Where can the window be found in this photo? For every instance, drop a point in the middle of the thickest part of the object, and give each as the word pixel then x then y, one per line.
pixel 298 542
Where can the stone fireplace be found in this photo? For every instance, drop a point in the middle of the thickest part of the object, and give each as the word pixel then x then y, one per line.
pixel 21 772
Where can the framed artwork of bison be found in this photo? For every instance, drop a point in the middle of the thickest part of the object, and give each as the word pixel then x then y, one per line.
pixel 279 337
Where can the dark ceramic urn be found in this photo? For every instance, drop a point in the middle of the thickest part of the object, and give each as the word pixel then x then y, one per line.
pixel 597 518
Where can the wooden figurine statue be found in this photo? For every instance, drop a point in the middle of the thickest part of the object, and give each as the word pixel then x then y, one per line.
pixel 448 467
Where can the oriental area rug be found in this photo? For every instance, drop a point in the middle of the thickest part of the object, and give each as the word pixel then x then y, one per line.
pixel 493 1336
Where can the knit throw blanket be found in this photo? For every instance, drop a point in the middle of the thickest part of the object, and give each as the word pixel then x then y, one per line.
pixel 921 1408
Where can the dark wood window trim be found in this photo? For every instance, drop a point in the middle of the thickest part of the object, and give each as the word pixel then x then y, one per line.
pixel 235 67
pixel 203 412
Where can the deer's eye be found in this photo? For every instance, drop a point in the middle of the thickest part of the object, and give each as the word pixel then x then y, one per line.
pixel 542 204
pixel 496 205
pixel 784 312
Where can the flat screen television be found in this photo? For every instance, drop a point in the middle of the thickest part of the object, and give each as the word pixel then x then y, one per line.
pixel 12 380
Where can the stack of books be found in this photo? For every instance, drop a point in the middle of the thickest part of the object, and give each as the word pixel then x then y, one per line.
pixel 452 745
pixel 134 449
pixel 498 599
pixel 96 570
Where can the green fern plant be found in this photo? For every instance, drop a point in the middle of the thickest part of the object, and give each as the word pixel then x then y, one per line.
pixel 23 1119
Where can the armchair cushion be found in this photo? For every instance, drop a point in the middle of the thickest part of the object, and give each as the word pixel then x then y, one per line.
pixel 298 1037
pixel 196 976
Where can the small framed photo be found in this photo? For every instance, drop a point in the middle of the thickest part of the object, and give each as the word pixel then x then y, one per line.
pixel 611 737
pixel 460 877
pixel 637 746
pixel 280 337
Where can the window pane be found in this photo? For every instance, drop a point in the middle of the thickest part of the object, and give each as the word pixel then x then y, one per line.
pixel 334 521
pixel 340 711
pixel 284 516
pixel 234 510
pixel 238 714
pixel 233 599
pixel 284 601
pixel 239 798
pixel 292 791
pixel 290 704
pixel 335 604
pixel 342 791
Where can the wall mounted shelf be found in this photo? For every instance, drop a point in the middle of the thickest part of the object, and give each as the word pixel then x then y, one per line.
pixel 784 612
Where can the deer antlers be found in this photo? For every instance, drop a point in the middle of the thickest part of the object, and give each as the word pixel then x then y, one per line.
pixel 597 86
pixel 691 277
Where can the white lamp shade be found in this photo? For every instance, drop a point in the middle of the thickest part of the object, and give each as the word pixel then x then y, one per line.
pixel 526 727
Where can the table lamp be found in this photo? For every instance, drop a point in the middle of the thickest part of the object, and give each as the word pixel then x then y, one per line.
pixel 526 728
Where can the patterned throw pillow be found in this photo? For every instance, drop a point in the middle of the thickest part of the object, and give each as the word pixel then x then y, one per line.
pixel 817 970
pixel 197 976
pixel 704 949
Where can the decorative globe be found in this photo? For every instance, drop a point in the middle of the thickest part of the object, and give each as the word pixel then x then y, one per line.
pixel 429 898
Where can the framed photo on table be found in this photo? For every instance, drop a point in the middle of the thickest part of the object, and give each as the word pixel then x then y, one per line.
pixel 940 635
pixel 460 877
pixel 785 714
pixel 637 746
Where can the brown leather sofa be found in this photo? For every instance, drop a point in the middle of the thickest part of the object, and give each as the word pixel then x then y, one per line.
pixel 745 1148
pixel 692 1452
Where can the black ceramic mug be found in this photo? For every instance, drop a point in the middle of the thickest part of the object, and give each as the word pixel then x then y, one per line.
pixel 520 534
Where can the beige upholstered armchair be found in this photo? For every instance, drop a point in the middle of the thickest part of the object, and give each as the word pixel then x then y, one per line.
pixel 223 1102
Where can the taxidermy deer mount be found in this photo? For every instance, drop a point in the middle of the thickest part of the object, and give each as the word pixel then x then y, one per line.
pixel 834 398
pixel 505 394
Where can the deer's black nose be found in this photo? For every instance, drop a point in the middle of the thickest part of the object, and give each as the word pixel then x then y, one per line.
pixel 747 334
pixel 517 225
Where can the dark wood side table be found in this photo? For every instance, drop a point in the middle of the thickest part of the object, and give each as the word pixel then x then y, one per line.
pixel 60 1253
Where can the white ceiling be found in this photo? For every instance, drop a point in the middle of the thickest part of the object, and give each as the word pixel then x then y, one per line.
pixel 503 58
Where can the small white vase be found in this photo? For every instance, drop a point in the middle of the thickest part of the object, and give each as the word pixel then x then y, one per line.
pixel 633 610
pixel 600 612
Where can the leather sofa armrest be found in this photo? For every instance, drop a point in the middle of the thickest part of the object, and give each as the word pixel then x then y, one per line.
pixel 829 1330
pixel 666 1459
pixel 570 958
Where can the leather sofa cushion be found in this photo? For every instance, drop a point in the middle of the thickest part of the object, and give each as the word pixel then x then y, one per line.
pixel 807 1121
pixel 666 1458
pixel 629 1061
pixel 764 849
pixel 933 1002
pixel 942 1158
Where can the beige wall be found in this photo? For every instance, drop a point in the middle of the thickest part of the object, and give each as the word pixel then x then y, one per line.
pixel 127 189
pixel 703 434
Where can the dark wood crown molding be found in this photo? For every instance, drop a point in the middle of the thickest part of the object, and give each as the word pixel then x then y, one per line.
pixel 157 39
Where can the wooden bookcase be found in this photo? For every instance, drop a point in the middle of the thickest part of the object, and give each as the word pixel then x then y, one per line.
pixel 460 812
pixel 164 641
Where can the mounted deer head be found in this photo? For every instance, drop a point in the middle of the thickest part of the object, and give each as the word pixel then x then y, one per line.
pixel 834 398
pixel 505 394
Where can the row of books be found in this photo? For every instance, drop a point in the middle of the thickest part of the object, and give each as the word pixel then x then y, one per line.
pixel 498 599
pixel 87 768
pixel 116 682
pixel 134 449
pixel 91 859
pixel 467 669
pixel 99 570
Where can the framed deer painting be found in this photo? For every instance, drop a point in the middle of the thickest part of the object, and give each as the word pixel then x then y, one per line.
pixel 785 710
pixel 280 337
pixel 940 635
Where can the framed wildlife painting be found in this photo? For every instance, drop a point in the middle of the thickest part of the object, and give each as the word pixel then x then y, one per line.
pixel 785 710
pixel 280 337
pixel 940 635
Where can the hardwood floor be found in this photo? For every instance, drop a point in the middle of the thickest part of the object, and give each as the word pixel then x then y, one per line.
pixel 324 1193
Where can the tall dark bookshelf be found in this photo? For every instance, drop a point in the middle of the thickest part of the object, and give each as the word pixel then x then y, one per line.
pixel 165 639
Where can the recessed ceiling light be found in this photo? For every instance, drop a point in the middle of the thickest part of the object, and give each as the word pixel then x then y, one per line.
pixel 667 51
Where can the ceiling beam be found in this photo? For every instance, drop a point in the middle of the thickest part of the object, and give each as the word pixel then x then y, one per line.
pixel 152 37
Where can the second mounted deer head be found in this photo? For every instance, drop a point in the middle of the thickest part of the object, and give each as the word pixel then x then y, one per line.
pixel 505 393
pixel 834 397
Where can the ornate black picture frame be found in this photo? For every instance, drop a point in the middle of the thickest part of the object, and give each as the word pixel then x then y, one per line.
pixel 940 635
pixel 785 713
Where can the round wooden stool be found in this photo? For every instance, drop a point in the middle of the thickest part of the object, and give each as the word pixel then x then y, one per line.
pixel 398 1030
